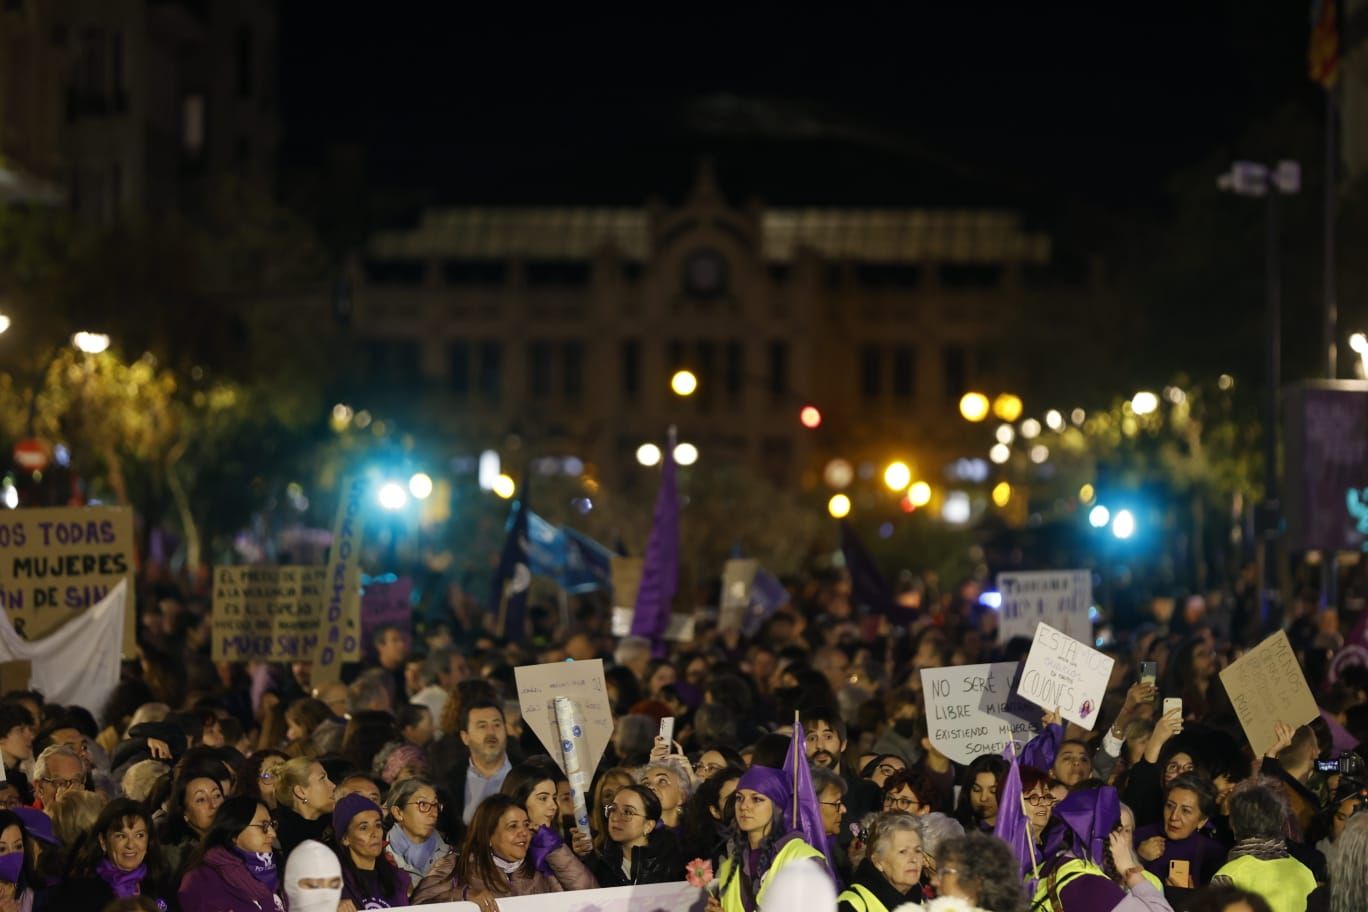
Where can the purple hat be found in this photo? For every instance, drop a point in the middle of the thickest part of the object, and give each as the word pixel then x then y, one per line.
pixel 37 824
pixel 1089 816
pixel 348 808
pixel 773 785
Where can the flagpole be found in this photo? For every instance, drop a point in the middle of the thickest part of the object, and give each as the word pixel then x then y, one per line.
pixel 796 761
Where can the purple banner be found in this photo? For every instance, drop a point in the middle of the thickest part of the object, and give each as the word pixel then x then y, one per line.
pixel 386 603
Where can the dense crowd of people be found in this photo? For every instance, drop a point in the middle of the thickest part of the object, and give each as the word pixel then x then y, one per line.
pixel 225 787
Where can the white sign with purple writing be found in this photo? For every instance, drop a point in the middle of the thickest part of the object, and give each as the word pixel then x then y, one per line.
pixel 1065 675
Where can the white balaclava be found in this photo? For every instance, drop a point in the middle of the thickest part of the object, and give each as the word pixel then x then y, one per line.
pixel 313 861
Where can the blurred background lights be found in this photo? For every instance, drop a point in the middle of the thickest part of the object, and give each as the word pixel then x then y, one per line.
pixel 392 496
pixel 90 343
pixel 974 406
pixel 488 470
pixel 839 506
pixel 897 476
pixel 999 454
pixel 1039 453
pixel 838 473
pixel 1099 516
pixel 1144 402
pixel 1078 416
pixel 1123 524
pixel 1005 433
pixel 1002 494
pixel 420 485
pixel 919 495
pixel 684 383
pixel 504 487
pixel 810 417
pixel 648 454
pixel 957 508
pixel 1086 494
pixel 1030 429
pixel 686 454
pixel 1007 407
pixel 1054 420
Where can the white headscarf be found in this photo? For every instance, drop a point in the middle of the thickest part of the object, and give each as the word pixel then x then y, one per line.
pixel 803 884
pixel 314 861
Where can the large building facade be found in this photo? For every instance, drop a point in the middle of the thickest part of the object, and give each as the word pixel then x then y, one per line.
pixel 561 327
pixel 119 106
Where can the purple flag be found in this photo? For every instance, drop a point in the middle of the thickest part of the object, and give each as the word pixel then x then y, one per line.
pixel 806 813
pixel 1012 827
pixel 660 569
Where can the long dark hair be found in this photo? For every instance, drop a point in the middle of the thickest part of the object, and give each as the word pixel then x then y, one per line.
pixel 523 779
pixel 175 828
pixel 232 817
pixel 385 871
pixel 649 802
pixel 117 814
pixel 7 820
pixel 476 861
pixel 702 831
pixel 984 763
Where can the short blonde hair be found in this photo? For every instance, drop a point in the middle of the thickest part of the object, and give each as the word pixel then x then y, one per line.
pixel 74 815
pixel 140 778
pixel 293 773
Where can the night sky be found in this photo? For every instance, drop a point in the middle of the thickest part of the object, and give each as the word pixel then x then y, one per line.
pixel 979 104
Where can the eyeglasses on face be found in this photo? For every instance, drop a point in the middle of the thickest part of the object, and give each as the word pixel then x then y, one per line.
pixel 838 803
pixel 902 804
pixel 426 807
pixel 614 810
pixel 63 783
pixel 266 826
pixel 1038 799
pixel 887 769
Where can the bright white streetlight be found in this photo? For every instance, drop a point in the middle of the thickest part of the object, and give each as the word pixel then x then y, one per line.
pixel 4 323
pixel 684 383
pixel 1358 341
pixel 392 496
pixel 1099 516
pixel 648 454
pixel 1144 402
pixel 957 508
pixel 686 454
pixel 897 476
pixel 1078 416
pixel 1123 525
pixel 90 343
pixel 1030 429
pixel 420 485
pixel 1054 420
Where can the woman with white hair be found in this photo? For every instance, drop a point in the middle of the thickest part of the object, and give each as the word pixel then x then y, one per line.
pixel 670 780
pixel 890 874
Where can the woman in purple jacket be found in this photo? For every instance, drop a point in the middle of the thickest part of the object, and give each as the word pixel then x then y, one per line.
pixel 234 868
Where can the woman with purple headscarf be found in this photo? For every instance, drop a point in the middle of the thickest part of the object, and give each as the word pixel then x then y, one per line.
pixel 1089 864
pixel 762 842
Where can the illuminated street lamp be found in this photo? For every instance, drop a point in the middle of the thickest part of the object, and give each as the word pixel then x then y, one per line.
pixel 974 407
pixel 4 323
pixel 810 417
pixel 838 506
pixel 420 485
pixel 686 454
pixel 1144 403
pixel 684 383
pixel 1002 494
pixel 504 487
pixel 919 495
pixel 897 476
pixel 1359 343
pixel 90 343
pixel 648 454
pixel 392 496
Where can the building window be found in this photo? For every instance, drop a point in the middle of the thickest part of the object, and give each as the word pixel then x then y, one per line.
pixel 904 372
pixel 572 365
pixel 244 62
pixel 475 272
pixel 490 384
pixel 458 366
pixel 778 367
pixel 871 371
pixel 539 355
pixel 956 372
pixel 631 369
pixel 735 370
pixel 706 371
pixel 557 274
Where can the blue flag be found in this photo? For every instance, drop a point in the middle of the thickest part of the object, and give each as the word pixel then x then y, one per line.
pixel 514 575
pixel 576 562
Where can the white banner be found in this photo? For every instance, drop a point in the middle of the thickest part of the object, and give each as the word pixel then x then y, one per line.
pixel 79 662
pixel 670 897
pixel 1063 674
pixel 1060 598
pixel 971 710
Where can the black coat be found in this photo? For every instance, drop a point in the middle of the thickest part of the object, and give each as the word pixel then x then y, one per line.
pixel 293 829
pixel 661 860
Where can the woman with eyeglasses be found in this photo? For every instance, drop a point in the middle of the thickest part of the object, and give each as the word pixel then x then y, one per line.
pixel 639 850
pixel 234 869
pixel 907 791
pixel 881 767
pixel 414 843
pixel 1037 791
pixel 890 874
pixel 258 776
pixel 605 787
pixel 715 758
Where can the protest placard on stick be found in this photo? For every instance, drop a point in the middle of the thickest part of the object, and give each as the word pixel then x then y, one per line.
pixel 1267 686
pixel 1063 674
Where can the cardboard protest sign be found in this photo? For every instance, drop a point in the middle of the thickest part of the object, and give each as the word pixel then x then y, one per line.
pixel 1266 686
pixel 269 613
pixel 738 576
pixel 1061 673
pixel 1060 598
pixel 582 682
pixel 58 562
pixel 340 631
pixel 386 601
pixel 972 710
pixel 626 582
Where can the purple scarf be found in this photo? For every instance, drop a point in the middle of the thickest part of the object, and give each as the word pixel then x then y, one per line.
pixel 123 883
pixel 262 867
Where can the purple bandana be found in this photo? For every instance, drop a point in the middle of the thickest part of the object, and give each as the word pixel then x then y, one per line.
pixel 262 867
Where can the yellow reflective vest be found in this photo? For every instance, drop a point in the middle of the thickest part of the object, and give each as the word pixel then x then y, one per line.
pixel 1078 867
pixel 793 850
pixel 1284 882
pixel 860 897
